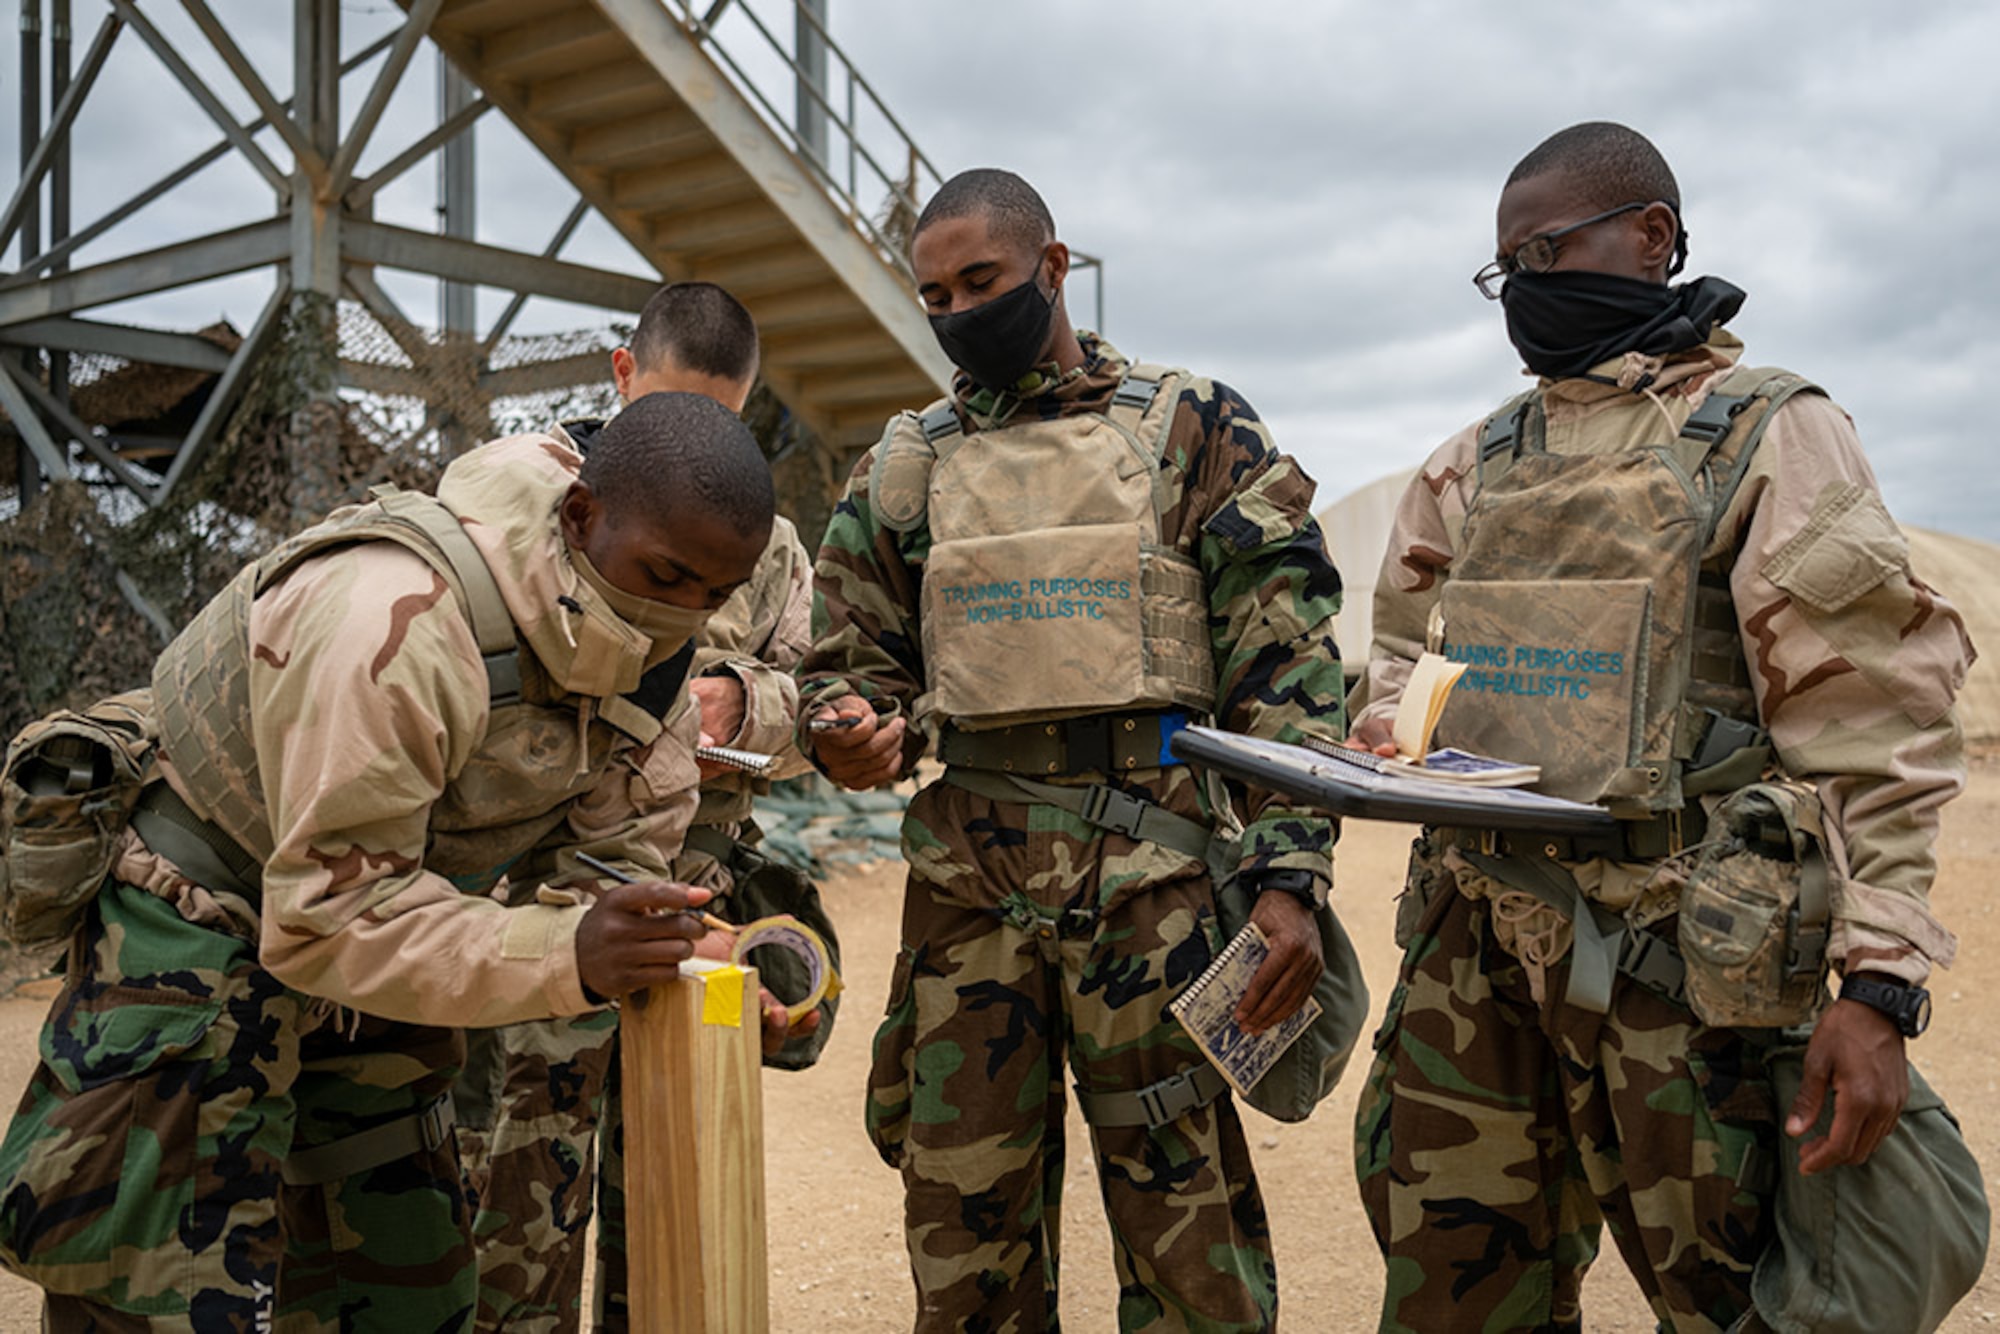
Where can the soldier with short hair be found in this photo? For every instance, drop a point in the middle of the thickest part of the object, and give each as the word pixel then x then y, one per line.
pixel 241 1119
pixel 1050 573
pixel 1680 594
pixel 541 1099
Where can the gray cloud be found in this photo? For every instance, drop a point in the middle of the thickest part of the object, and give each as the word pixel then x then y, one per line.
pixel 1291 196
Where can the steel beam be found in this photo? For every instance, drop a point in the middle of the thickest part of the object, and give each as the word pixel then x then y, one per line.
pixel 203 95
pixel 156 346
pixel 275 114
pixel 365 189
pixel 52 458
pixel 341 174
pixel 59 253
pixel 56 137
pixel 213 256
pixel 81 431
pixel 228 386
pixel 490 266
pixel 549 251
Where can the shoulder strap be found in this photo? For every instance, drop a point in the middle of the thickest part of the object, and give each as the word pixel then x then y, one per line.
pixel 1730 424
pixel 492 625
pixel 899 479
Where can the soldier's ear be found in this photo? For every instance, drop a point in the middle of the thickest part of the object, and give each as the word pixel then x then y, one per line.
pixel 1055 262
pixel 578 513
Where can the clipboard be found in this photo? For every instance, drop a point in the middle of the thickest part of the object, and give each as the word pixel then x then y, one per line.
pixel 1356 789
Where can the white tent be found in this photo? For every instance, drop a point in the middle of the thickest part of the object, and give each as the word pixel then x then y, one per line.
pixel 1966 570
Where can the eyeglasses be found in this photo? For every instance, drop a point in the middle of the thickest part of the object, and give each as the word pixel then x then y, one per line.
pixel 1538 253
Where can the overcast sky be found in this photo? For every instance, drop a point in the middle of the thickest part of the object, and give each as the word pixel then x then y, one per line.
pixel 1290 196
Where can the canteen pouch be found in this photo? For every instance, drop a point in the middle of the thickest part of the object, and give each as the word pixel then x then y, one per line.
pixel 67 789
pixel 1755 912
pixel 1890 1244
pixel 1307 1071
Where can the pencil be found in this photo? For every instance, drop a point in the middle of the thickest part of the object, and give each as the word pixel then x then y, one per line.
pixel 707 919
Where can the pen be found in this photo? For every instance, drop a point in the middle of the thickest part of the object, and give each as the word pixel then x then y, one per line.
pixel 707 919
pixel 834 724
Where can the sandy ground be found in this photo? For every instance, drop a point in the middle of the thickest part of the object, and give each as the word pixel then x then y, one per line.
pixel 836 1251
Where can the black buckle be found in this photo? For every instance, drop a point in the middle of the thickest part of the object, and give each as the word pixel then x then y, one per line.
pixel 435 1123
pixel 1113 809
pixel 1087 743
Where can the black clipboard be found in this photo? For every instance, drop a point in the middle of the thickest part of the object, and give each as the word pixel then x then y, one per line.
pixel 1342 787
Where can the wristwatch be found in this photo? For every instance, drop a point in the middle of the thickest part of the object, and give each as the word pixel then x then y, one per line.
pixel 1909 1006
pixel 1301 885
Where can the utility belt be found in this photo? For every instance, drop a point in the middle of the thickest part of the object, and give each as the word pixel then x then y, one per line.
pixel 1753 921
pixel 1093 743
pixel 1666 835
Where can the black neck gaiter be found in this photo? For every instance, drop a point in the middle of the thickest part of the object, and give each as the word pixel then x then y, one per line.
pixel 1564 323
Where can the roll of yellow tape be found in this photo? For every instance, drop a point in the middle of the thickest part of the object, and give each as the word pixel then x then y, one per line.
pixel 788 933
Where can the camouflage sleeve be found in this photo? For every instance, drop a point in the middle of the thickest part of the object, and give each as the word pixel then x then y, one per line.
pixel 1856 662
pixel 759 636
pixel 1246 512
pixel 636 817
pixel 367 695
pixel 865 626
pixel 1423 540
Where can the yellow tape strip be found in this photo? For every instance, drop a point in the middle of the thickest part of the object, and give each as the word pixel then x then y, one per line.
pixel 722 997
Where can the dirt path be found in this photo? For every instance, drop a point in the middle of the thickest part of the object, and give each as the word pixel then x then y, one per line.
pixel 837 1261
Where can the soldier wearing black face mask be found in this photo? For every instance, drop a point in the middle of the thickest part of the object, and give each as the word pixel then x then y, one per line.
pixel 1051 573
pixel 1598 1028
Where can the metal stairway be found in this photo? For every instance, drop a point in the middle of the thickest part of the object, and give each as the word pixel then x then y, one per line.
pixel 660 130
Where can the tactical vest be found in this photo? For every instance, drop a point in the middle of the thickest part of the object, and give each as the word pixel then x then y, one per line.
pixel 518 784
pixel 1597 643
pixel 1047 593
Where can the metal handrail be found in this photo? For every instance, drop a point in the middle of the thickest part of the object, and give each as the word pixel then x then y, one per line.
pixel 903 193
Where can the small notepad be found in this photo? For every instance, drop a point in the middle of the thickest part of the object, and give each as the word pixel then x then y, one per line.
pixel 1207 1010
pixel 1423 703
pixel 749 761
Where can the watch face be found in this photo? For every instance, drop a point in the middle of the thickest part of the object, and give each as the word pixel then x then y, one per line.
pixel 1917 1012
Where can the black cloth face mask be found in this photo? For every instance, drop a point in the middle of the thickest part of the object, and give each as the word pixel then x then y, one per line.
pixel 1001 341
pixel 1565 322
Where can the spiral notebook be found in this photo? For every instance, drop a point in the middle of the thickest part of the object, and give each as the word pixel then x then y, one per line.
pixel 1207 1010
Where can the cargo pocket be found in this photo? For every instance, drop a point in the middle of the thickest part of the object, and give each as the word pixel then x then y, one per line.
pixel 889 1093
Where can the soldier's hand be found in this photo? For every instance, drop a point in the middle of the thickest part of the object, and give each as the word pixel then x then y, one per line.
pixel 1373 734
pixel 1856 1056
pixel 635 936
pixel 863 753
pixel 721 702
pixel 1291 970
pixel 776 1031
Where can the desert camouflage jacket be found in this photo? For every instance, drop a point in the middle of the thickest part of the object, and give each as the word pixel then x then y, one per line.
pixel 391 809
pixel 1236 507
pixel 1856 690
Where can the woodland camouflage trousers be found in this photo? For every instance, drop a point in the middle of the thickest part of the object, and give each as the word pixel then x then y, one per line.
pixel 140 1179
pixel 1031 941
pixel 1496 1135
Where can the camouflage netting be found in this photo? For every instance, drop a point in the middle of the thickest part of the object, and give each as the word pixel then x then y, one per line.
pixel 94 581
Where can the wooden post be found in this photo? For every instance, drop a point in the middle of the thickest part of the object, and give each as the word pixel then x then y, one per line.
pixel 694 1154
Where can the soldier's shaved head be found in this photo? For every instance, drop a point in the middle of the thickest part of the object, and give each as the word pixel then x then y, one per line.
pixel 1605 164
pixel 696 327
pixel 1013 211
pixel 668 456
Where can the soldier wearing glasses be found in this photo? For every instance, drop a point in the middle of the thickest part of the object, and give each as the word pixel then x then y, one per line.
pixel 1651 504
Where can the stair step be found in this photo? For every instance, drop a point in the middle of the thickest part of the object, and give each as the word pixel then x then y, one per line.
pixel 700 182
pixel 849 343
pixel 671 134
pixel 771 269
pixel 819 305
pixel 891 381
pixel 574 39
pixel 743 226
pixel 479 18
pixel 624 88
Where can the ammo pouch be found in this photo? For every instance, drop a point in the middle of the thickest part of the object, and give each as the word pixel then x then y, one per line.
pixel 1890 1244
pixel 66 793
pixel 762 886
pixel 1756 910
